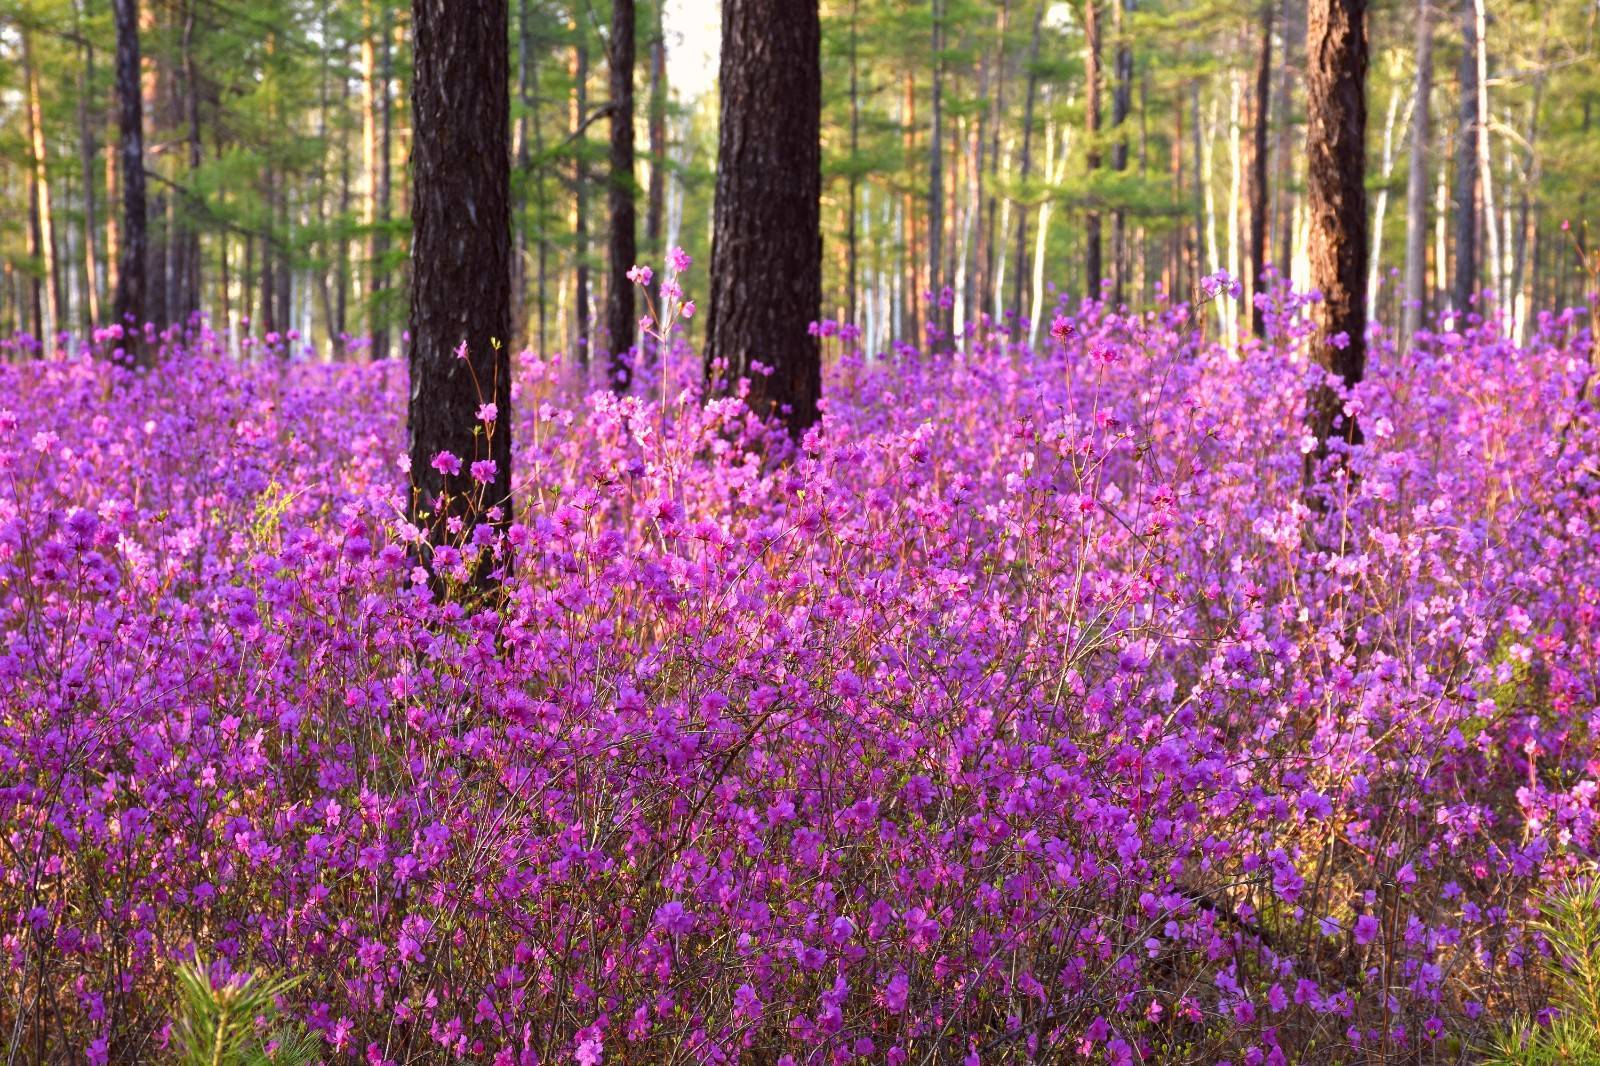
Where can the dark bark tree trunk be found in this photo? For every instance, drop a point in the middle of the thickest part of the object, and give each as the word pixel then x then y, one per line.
pixel 523 161
pixel 86 154
pixel 852 257
pixel 1336 114
pixel 656 197
pixel 1464 196
pixel 620 320
pixel 342 297
pixel 581 188
pixel 989 236
pixel 1258 168
pixel 189 283
pixel 129 305
pixel 380 235
pixel 766 251
pixel 936 208
pixel 1025 164
pixel 1091 122
pixel 1121 104
pixel 1415 295
pixel 461 255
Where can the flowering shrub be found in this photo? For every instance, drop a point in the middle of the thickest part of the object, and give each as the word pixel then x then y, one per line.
pixel 1027 709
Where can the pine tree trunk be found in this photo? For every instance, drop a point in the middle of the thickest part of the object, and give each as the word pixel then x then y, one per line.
pixel 851 266
pixel 1465 202
pixel 766 253
pixel 1258 171
pixel 580 195
pixel 86 153
pixel 620 320
pixel 1121 105
pixel 989 237
pixel 384 191
pixel 45 232
pixel 129 306
pixel 1091 122
pixel 936 208
pixel 1336 112
pixel 461 252
pixel 1491 225
pixel 655 197
pixel 1414 283
pixel 1025 166
pixel 189 284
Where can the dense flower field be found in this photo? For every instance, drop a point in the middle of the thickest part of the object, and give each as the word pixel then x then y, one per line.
pixel 1024 711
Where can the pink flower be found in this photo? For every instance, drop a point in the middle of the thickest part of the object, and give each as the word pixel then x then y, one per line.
pixel 640 275
pixel 446 463
pixel 688 309
pixel 483 471
pixel 1061 328
pixel 461 349
pixel 678 260
pixel 487 412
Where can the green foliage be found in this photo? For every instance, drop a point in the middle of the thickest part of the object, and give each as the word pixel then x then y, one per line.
pixel 237 1022
pixel 1571 926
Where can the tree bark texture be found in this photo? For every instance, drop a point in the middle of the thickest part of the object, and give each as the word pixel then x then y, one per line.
pixel 461 249
pixel 1336 114
pixel 766 252
pixel 129 304
pixel 621 322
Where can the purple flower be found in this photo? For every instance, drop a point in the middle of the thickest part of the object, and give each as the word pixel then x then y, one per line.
pixel 640 275
pixel 483 471
pixel 674 919
pixel 678 260
pixel 446 463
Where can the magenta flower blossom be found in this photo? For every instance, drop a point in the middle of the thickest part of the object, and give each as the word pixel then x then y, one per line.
pixel 488 412
pixel 483 471
pixel 640 275
pixel 678 260
pixel 446 463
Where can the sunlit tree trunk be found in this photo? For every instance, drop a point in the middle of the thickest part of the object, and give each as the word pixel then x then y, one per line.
pixel 1336 112
pixel 655 198
pixel 1091 125
pixel 1121 105
pixel 45 234
pixel 1414 294
pixel 1025 164
pixel 1465 198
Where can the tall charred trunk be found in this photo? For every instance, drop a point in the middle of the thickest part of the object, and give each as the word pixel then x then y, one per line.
pixel 1258 168
pixel 461 257
pixel 1121 104
pixel 129 305
pixel 1091 122
pixel 620 321
pixel 766 253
